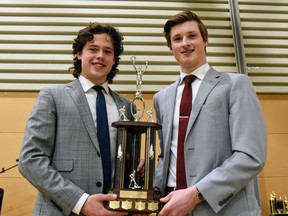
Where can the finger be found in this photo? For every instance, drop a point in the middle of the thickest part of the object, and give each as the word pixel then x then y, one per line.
pixel 165 199
pixel 120 213
pixel 107 197
pixel 140 166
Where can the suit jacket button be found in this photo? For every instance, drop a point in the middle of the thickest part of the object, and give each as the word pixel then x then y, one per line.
pixel 98 184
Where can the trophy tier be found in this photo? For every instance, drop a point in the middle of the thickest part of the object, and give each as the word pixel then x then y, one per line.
pixel 135 201
pixel 135 193
pixel 139 127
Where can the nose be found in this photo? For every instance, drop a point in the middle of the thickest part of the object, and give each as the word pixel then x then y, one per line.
pixel 185 41
pixel 100 54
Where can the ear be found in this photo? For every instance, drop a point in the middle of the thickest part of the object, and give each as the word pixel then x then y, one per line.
pixel 206 43
pixel 78 55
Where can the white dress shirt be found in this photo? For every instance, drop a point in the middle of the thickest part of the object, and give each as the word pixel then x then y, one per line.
pixel 199 73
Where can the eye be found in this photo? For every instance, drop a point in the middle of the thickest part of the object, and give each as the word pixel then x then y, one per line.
pixel 108 51
pixel 92 49
pixel 177 39
pixel 192 36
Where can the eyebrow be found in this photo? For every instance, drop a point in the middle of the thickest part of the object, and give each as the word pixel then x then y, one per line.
pixel 93 45
pixel 189 32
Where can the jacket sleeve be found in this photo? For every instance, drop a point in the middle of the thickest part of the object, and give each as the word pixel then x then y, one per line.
pixel 37 150
pixel 248 143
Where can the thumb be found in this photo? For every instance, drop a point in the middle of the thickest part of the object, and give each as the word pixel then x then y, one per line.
pixel 110 197
pixel 107 197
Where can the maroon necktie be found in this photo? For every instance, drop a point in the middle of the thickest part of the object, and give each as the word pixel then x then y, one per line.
pixel 185 110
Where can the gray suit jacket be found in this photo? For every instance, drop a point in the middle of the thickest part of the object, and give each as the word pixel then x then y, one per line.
pixel 60 154
pixel 225 146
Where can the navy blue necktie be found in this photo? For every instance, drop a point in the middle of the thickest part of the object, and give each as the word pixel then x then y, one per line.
pixel 103 136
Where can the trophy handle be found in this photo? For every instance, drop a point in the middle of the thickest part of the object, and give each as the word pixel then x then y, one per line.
pixel 137 116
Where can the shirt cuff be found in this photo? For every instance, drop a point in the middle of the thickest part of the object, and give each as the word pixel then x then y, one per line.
pixel 77 208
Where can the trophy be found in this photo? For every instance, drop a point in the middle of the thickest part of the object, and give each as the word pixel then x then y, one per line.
pixel 135 193
pixel 278 206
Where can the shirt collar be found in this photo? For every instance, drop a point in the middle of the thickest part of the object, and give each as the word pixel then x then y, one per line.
pixel 199 72
pixel 87 84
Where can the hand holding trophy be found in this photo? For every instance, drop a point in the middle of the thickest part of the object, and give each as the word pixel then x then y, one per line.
pixel 135 194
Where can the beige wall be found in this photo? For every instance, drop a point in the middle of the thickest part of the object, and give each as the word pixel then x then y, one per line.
pixel 274 176
pixel 19 195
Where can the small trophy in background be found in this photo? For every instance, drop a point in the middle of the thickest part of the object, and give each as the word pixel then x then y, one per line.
pixel 135 194
pixel 278 205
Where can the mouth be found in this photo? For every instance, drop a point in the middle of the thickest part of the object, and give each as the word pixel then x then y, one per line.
pixel 187 52
pixel 98 64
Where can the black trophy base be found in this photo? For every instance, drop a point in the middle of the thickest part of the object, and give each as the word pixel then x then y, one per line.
pixel 135 201
pixel 280 214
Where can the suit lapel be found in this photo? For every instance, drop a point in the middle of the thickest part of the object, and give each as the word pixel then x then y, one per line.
pixel 78 96
pixel 208 83
pixel 118 100
pixel 170 100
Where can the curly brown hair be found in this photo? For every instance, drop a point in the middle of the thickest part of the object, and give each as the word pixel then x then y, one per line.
pixel 85 35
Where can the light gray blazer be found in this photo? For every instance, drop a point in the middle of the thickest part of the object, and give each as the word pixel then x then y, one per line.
pixel 60 154
pixel 225 146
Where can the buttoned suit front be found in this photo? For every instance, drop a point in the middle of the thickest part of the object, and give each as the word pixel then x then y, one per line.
pixel 225 145
pixel 60 154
